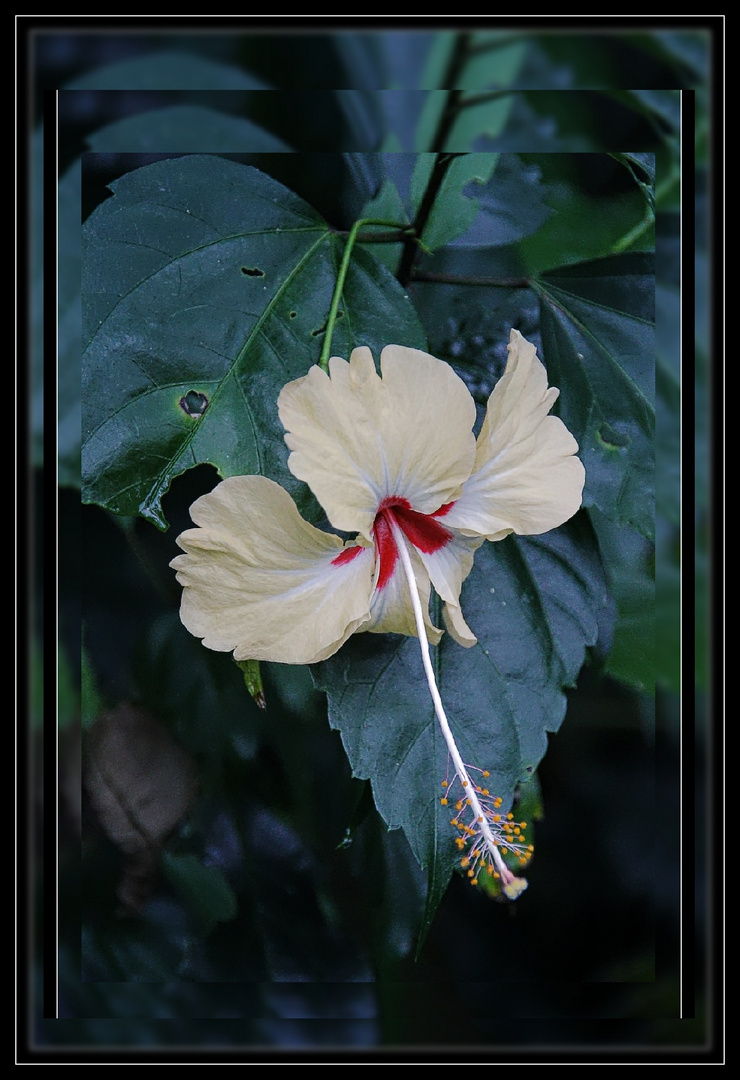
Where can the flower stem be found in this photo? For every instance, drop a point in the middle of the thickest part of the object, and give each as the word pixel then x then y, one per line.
pixel 462 772
pixel 341 277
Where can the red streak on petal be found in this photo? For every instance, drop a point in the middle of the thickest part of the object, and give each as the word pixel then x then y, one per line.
pixel 347 555
pixel 422 530
pixel 387 550
pixel 444 509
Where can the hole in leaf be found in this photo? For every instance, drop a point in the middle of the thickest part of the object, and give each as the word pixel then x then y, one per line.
pixel 321 329
pixel 612 439
pixel 194 403
pixel 253 271
pixel 292 314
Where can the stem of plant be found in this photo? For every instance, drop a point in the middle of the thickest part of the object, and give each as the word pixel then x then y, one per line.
pixel 341 277
pixel 462 772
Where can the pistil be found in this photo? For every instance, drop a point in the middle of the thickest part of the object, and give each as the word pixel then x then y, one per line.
pixel 507 877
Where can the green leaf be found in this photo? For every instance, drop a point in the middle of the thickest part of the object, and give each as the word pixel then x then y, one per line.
pixel 535 606
pixel 206 287
pixel 453 212
pixel 629 559
pixel 199 693
pixel 598 345
pixel 204 888
pixel 586 224
pixel 642 170
pixel 167 70
pixel 387 205
pixel 68 328
pixel 182 129
pixel 91 702
pixel 497 60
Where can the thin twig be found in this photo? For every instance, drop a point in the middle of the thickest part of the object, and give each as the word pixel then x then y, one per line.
pixel 459 279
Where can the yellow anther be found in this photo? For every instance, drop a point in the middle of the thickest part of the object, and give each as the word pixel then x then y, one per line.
pixel 444 802
pixel 444 783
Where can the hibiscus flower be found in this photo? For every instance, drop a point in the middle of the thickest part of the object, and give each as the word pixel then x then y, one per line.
pixel 393 460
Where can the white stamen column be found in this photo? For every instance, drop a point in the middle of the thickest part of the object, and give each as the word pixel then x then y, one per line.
pixel 462 772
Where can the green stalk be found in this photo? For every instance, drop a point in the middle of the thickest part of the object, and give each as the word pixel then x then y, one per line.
pixel 341 277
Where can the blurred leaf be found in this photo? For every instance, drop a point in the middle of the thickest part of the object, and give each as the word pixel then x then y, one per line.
pixel 139 780
pixel 494 60
pixel 453 212
pixel 642 170
pixel 204 277
pixel 535 605
pixel 668 620
pixel 203 888
pixel 661 107
pixel 668 403
pixel 68 698
pixel 91 703
pixel 167 70
pixel 629 561
pixel 687 51
pixel 132 950
pixel 587 219
pixel 184 129
pixel 35 284
pixel 598 345
pixel 68 328
pixel 200 693
pixel 437 60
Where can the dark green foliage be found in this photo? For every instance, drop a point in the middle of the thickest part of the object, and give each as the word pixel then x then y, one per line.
pixel 316 851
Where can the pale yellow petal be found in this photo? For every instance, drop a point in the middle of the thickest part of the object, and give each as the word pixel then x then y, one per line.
pixel 391 610
pixel 448 567
pixel 356 437
pixel 261 582
pixel 527 478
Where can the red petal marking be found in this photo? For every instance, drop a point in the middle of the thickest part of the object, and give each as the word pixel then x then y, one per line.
pixel 387 550
pixel 444 509
pixel 347 555
pixel 422 530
